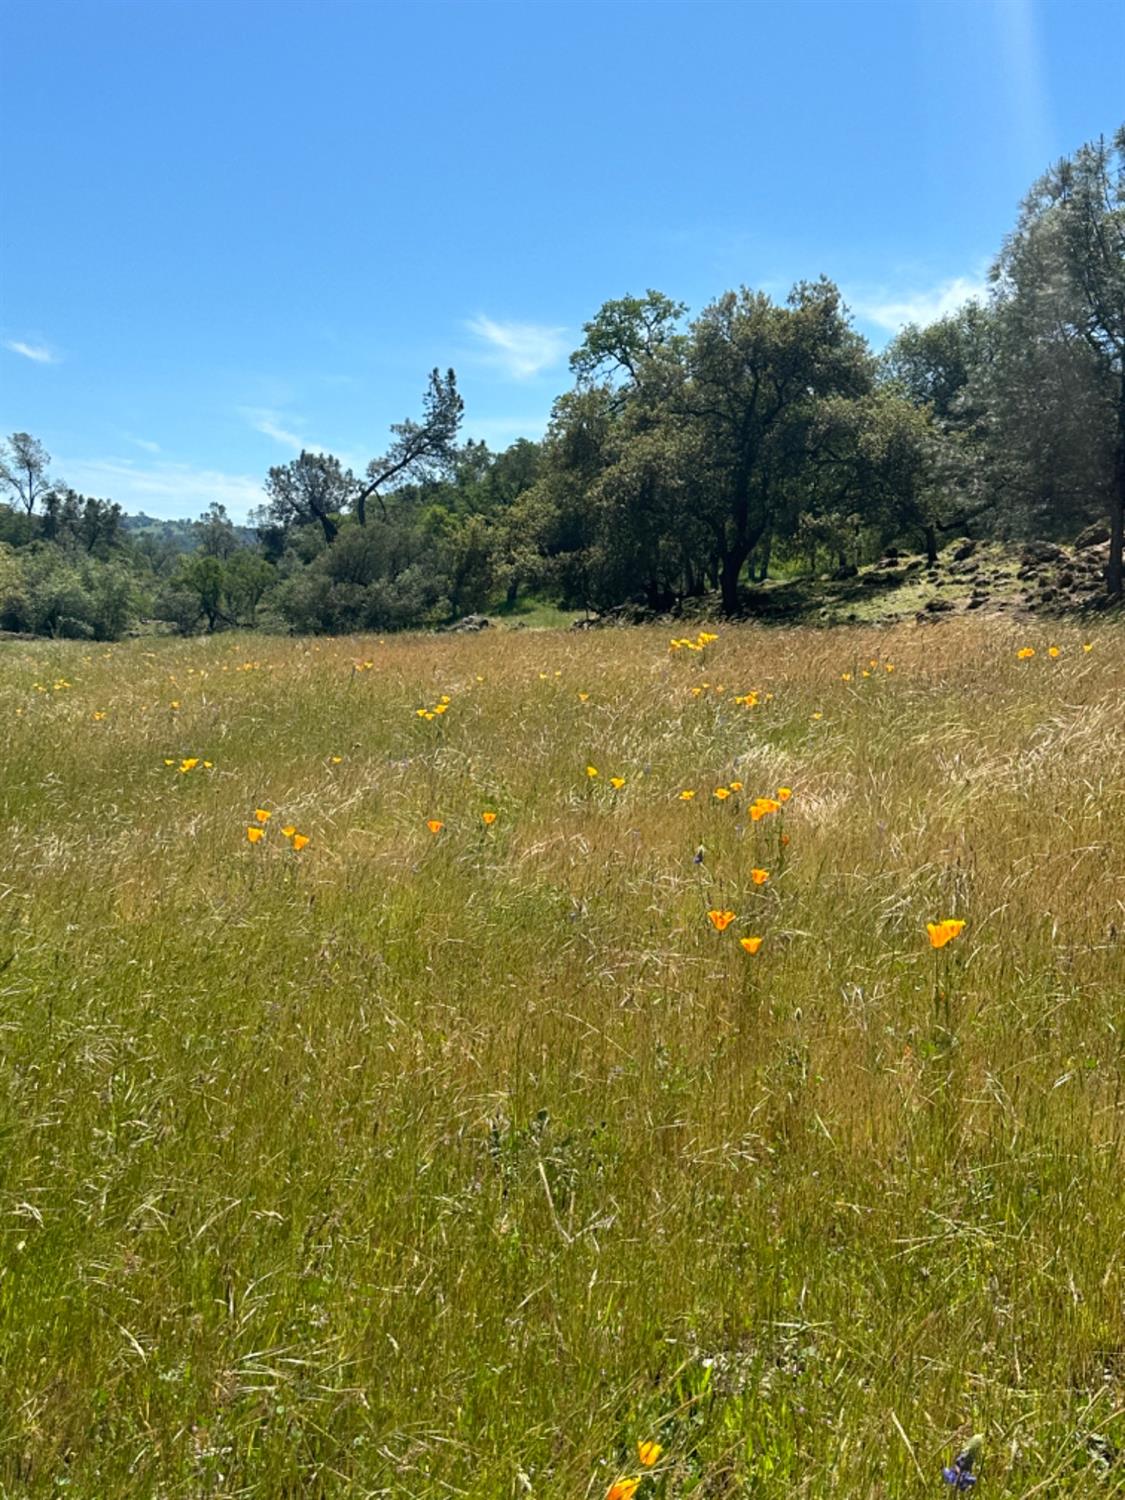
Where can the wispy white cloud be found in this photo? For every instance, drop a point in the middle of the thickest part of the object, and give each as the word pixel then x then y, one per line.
pixel 146 443
pixel 520 350
pixel 499 432
pixel 42 354
pixel 271 424
pixel 166 489
pixel 893 310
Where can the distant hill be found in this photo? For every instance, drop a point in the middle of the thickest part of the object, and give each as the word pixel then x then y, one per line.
pixel 183 535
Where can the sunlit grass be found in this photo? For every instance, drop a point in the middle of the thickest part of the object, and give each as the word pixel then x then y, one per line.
pixel 440 1141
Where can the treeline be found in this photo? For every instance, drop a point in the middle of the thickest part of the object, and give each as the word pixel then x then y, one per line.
pixel 690 455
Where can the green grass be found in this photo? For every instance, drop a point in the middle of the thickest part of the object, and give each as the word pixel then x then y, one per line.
pixel 422 1165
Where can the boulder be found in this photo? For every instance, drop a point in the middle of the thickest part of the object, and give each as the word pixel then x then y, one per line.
pixel 963 548
pixel 1093 536
pixel 468 624
pixel 1042 552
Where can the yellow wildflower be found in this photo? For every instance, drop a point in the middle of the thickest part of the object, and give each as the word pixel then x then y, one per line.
pixel 943 932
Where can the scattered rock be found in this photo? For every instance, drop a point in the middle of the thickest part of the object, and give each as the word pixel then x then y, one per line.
pixel 469 624
pixel 938 606
pixel 881 579
pixel 1093 536
pixel 848 570
pixel 1042 552
pixel 963 549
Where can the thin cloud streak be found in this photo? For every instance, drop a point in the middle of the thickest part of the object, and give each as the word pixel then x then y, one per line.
pixel 40 353
pixel 270 424
pixel 171 491
pixel 520 350
pixel 893 311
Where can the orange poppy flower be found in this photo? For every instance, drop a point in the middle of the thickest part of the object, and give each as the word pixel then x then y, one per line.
pixel 623 1489
pixel 750 944
pixel 648 1453
pixel 254 833
pixel 617 782
pixel 720 920
pixel 759 877
pixel 435 825
pixel 300 840
pixel 488 818
pixel 944 932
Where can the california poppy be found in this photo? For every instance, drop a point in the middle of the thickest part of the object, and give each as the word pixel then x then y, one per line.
pixel 944 932
pixel 617 782
pixel 624 1489
pixel 262 815
pixel 435 825
pixel 254 834
pixel 648 1453
pixel 488 818
pixel 300 840
pixel 750 944
pixel 759 877
pixel 720 920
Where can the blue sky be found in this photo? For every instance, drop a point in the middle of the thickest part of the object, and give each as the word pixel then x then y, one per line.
pixel 232 229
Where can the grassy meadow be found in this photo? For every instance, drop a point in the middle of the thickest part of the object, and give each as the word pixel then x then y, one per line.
pixel 456 1160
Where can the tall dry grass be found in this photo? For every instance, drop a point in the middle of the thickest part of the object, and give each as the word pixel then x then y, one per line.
pixel 416 1164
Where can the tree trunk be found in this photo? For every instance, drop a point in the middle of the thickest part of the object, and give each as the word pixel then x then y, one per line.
pixel 1113 570
pixel 728 582
pixel 767 548
pixel 931 544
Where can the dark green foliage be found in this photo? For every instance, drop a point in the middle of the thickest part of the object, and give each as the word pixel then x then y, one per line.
pixel 689 456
